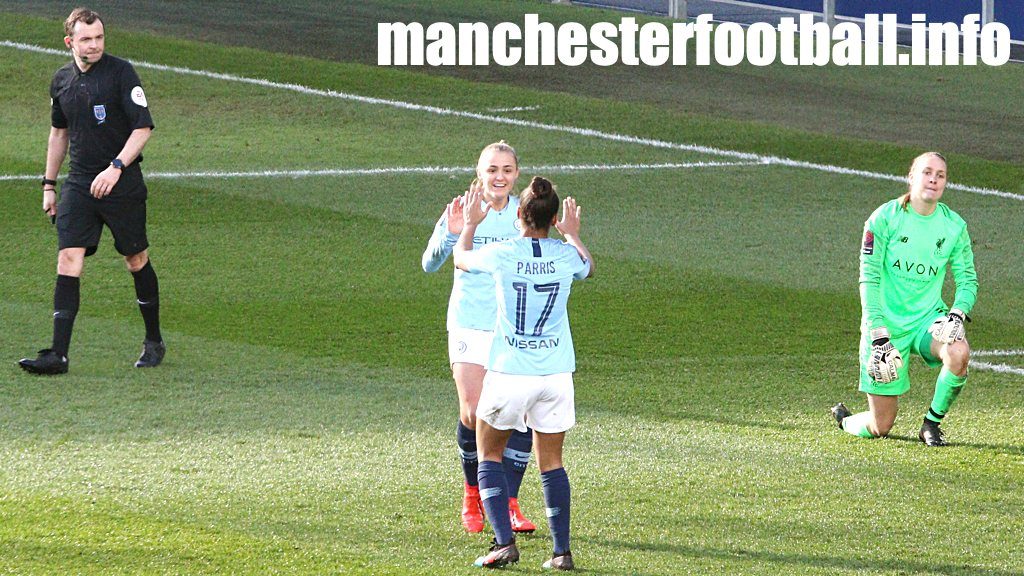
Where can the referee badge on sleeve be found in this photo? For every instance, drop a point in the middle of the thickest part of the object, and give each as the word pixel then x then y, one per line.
pixel 868 247
pixel 139 97
pixel 100 112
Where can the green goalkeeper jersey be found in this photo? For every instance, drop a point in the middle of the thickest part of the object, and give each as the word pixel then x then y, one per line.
pixel 903 264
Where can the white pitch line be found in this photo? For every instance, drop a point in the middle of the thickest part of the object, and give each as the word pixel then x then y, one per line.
pixel 554 168
pixel 514 109
pixel 1001 368
pixel 611 136
pixel 611 167
pixel 308 173
pixel 986 353
pixel 436 170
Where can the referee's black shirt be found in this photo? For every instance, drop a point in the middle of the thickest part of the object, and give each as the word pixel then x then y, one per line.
pixel 100 108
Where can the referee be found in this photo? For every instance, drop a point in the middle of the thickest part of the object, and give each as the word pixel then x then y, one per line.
pixel 99 114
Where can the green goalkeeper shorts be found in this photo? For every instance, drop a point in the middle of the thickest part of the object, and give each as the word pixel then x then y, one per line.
pixel 917 340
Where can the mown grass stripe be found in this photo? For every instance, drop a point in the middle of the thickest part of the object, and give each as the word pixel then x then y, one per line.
pixel 410 170
pixel 624 138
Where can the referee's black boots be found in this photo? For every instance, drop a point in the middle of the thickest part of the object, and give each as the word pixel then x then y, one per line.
pixel 48 362
pixel 152 354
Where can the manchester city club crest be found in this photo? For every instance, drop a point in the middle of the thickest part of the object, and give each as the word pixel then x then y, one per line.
pixel 100 112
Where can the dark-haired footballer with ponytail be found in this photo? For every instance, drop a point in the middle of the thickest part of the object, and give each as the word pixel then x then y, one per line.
pixel 529 373
pixel 471 314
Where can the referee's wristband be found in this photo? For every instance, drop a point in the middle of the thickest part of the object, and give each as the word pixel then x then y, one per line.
pixel 48 182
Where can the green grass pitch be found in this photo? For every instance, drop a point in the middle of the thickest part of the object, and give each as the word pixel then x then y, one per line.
pixel 303 422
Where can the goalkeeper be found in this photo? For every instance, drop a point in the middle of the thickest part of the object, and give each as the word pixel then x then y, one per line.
pixel 908 244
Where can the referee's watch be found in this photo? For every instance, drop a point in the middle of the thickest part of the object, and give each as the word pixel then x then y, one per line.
pixel 116 163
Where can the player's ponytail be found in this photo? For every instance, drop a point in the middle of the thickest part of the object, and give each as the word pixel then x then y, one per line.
pixel 539 204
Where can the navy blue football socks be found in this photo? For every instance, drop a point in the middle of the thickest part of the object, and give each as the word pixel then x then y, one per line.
pixel 467 452
pixel 556 500
pixel 494 494
pixel 515 458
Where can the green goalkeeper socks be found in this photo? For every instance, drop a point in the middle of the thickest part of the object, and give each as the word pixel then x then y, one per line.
pixel 947 388
pixel 857 424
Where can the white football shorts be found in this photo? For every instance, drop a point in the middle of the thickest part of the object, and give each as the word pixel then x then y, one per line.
pixel 469 346
pixel 545 403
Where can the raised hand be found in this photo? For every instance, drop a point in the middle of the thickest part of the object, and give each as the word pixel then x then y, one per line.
pixel 474 210
pixel 453 215
pixel 569 225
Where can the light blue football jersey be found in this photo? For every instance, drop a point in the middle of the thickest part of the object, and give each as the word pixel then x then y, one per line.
pixel 471 304
pixel 533 278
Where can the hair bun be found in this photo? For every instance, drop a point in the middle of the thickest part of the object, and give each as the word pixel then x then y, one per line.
pixel 542 187
pixel 539 203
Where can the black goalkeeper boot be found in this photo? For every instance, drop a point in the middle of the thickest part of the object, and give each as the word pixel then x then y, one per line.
pixel 840 412
pixel 931 434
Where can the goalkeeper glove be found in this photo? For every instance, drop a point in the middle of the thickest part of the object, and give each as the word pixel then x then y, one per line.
pixel 949 329
pixel 885 361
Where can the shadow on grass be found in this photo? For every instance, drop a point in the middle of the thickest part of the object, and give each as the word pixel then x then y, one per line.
pixel 732 421
pixel 1007 449
pixel 894 565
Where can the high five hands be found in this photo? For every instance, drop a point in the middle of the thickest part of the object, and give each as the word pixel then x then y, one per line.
pixel 569 225
pixel 474 209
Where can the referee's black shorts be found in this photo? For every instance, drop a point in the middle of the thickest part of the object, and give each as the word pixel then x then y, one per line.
pixel 80 218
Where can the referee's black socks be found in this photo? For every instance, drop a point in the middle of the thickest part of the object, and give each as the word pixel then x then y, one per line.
pixel 66 298
pixel 147 290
